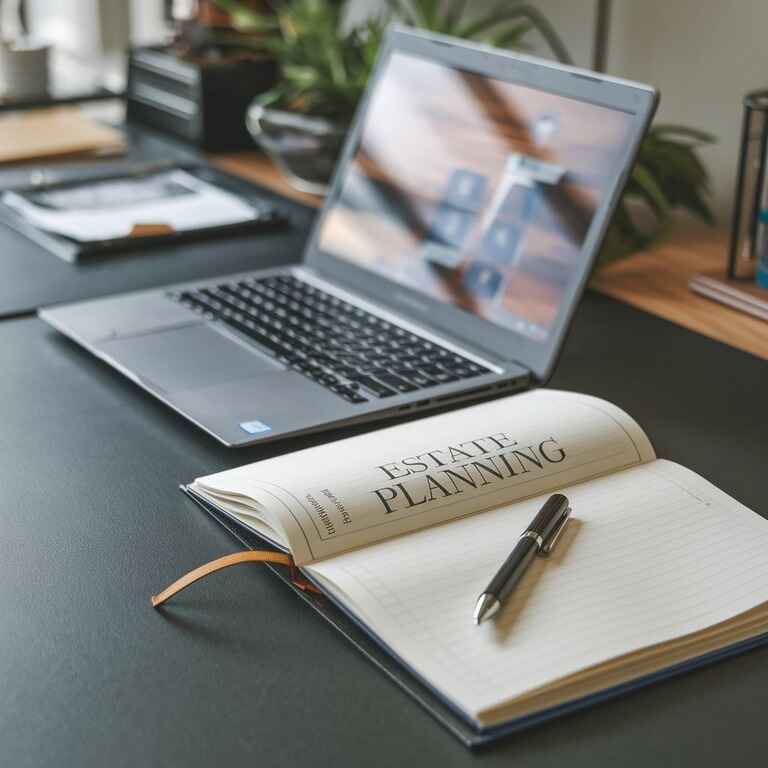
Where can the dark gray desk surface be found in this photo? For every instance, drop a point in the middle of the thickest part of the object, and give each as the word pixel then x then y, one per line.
pixel 32 277
pixel 238 669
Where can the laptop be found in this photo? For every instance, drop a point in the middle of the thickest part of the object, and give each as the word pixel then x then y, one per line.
pixel 468 205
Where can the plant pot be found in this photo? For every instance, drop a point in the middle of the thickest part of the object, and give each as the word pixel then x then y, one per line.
pixel 304 148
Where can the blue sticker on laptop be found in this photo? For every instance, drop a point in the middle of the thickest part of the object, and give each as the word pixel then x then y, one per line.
pixel 255 427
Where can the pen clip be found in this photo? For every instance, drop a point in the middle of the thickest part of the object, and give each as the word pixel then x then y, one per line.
pixel 549 544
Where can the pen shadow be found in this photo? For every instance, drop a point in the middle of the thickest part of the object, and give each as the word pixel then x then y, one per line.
pixel 526 590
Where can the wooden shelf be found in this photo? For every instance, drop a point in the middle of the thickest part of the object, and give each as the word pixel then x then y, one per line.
pixel 257 167
pixel 655 280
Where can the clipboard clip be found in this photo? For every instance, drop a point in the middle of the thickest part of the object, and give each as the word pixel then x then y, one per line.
pixel 151 230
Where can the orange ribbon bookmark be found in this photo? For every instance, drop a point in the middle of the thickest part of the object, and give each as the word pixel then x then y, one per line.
pixel 250 556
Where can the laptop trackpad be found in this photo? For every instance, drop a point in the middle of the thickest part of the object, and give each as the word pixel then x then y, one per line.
pixel 188 357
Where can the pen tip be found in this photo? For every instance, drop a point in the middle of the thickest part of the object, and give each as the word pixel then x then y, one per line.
pixel 487 605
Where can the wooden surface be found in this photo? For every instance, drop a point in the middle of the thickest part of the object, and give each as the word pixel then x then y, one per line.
pixel 256 167
pixel 62 132
pixel 655 280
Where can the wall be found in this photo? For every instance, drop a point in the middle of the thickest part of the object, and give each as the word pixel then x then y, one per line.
pixel 147 22
pixel 85 27
pixel 703 55
pixel 90 37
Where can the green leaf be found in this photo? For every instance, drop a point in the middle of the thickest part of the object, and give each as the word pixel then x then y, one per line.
pixel 646 186
pixel 676 168
pixel 428 10
pixel 512 37
pixel 402 10
pixel 414 12
pixel 526 12
pixel 246 19
pixel 482 24
pixel 306 76
pixel 453 15
pixel 696 134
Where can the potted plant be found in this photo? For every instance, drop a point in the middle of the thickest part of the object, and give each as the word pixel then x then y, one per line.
pixel 301 122
pixel 668 174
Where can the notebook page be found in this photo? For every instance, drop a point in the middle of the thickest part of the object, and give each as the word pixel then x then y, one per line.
pixel 347 494
pixel 653 553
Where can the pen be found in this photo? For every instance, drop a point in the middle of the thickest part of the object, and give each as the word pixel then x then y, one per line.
pixel 539 538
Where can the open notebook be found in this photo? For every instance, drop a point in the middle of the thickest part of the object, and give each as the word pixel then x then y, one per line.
pixel 403 528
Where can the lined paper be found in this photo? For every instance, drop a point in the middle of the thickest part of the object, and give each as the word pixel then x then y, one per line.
pixel 654 553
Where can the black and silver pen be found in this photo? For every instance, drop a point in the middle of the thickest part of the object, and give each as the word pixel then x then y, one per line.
pixel 538 539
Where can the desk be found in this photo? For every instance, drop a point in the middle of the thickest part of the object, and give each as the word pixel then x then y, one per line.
pixel 656 280
pixel 239 671
pixel 32 277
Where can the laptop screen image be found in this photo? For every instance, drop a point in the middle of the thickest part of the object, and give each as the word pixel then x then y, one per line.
pixel 476 191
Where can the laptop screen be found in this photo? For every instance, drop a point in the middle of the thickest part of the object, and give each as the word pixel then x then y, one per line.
pixel 476 191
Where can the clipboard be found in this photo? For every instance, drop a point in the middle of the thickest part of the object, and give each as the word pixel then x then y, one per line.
pixel 150 233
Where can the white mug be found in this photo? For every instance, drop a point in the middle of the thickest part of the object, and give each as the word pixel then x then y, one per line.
pixel 23 70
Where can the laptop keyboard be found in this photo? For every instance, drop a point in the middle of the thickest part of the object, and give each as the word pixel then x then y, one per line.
pixel 338 345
